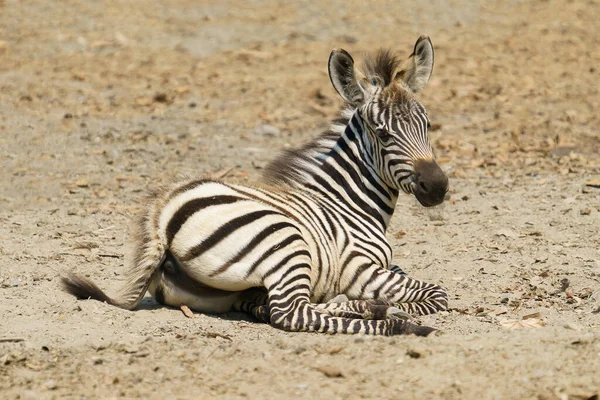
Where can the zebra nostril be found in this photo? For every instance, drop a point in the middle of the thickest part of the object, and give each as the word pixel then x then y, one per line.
pixel 423 187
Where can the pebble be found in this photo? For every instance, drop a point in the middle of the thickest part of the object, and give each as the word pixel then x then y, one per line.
pixel 97 360
pixel 29 395
pixel 50 384
pixel 414 353
pixel 267 130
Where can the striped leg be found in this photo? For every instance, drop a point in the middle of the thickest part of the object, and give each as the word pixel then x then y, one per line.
pixel 397 270
pixel 254 302
pixel 408 294
pixel 291 310
pixel 363 309
pixel 416 297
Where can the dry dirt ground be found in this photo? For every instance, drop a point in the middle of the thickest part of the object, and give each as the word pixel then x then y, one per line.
pixel 101 100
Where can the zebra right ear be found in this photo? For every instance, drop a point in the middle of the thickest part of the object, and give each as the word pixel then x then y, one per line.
pixel 345 79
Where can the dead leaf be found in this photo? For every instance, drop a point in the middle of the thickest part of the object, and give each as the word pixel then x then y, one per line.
pixel 519 324
pixel 399 234
pixel 330 372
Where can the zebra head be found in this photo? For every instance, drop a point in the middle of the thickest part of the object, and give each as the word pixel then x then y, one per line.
pixel 395 123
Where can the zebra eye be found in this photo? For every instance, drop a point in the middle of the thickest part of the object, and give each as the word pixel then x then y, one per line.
pixel 374 82
pixel 428 125
pixel 381 132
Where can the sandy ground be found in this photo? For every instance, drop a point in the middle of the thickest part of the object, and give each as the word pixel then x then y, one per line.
pixel 101 100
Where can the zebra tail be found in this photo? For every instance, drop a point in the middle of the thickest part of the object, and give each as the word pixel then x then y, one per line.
pixel 129 296
pixel 83 288
pixel 149 255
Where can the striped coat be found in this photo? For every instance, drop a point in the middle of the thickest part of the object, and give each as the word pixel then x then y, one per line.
pixel 285 249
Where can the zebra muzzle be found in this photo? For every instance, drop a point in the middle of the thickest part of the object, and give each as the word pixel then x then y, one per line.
pixel 431 183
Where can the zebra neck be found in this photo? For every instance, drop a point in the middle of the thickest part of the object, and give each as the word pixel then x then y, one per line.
pixel 338 169
pixel 352 154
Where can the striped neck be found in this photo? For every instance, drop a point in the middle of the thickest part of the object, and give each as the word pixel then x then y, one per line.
pixel 356 148
pixel 338 168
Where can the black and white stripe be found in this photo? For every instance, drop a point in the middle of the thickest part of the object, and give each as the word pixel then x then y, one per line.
pixel 314 230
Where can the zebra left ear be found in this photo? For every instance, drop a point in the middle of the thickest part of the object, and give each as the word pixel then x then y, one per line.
pixel 417 69
pixel 345 79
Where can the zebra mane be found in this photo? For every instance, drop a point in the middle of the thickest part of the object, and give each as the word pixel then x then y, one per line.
pixel 382 64
pixel 284 169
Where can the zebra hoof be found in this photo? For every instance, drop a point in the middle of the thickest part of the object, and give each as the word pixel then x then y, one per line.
pixel 418 330
pixel 340 298
pixel 396 313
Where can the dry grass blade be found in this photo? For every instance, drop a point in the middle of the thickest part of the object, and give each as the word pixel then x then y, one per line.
pixel 594 182
pixel 11 340
pixel 85 245
pixel 220 174
pixel 330 372
pixel 186 311
pixel 213 335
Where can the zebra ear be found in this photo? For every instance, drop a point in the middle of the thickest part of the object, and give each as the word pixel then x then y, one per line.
pixel 415 72
pixel 345 79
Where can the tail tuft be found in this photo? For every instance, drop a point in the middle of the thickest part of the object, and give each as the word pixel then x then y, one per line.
pixel 83 288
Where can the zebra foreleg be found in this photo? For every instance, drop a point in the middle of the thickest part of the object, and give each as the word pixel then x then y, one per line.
pixel 410 295
pixel 364 309
pixel 290 309
pixel 397 270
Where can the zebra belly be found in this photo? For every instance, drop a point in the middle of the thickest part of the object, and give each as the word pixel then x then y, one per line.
pixel 171 290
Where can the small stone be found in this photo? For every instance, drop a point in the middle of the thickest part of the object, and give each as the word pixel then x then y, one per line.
pixel 4 360
pixel 29 395
pixel 267 130
pixel 585 211
pixel 97 360
pixel 299 350
pixel 50 384
pixel 414 353
pixel 330 372
pixel 161 98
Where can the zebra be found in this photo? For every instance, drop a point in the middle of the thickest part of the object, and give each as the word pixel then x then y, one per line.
pixel 305 248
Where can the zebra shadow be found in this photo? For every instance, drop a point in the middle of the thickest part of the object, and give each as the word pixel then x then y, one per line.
pixel 149 304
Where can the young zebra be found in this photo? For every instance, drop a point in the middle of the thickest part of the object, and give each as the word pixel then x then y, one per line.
pixel 313 229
